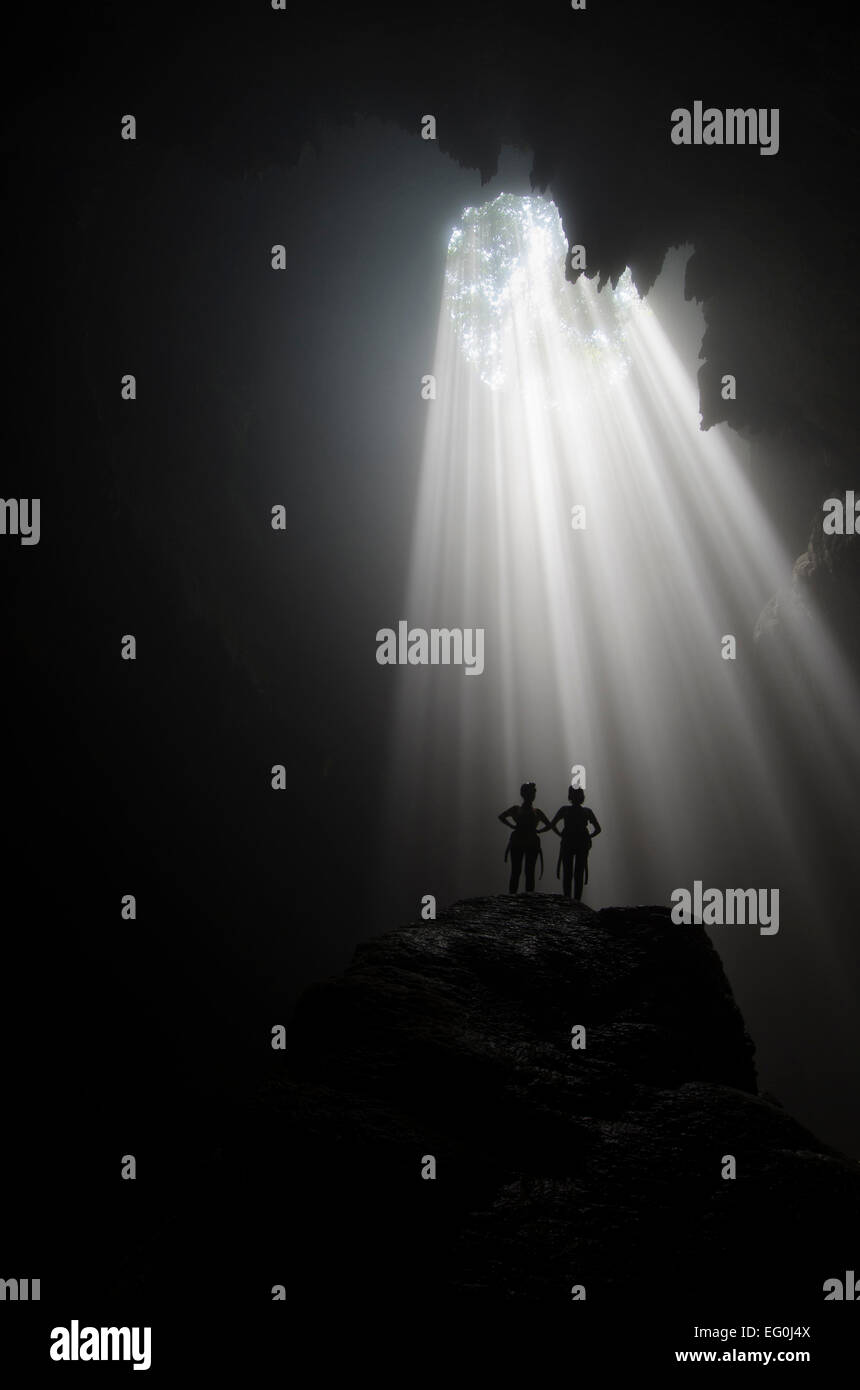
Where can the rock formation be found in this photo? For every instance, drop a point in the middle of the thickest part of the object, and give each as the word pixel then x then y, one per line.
pixel 555 1166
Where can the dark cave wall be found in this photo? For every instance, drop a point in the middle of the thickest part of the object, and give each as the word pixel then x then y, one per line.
pixel 144 788
pixel 241 92
pixel 590 94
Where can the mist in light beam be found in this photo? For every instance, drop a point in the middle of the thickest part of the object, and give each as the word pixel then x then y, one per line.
pixel 603 645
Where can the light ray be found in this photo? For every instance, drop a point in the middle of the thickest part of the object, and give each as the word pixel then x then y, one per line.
pixel 603 645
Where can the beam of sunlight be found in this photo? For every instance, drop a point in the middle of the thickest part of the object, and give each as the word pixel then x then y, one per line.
pixel 603 645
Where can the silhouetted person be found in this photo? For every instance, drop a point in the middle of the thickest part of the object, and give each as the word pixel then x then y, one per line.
pixel 575 841
pixel 524 843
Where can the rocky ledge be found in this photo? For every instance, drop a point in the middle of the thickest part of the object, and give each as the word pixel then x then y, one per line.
pixel 598 1166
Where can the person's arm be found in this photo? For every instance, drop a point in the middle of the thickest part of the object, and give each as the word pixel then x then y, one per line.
pixel 595 822
pixel 553 825
pixel 511 824
pixel 546 824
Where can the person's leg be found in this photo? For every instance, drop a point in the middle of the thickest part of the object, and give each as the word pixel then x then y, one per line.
pixel 579 873
pixel 516 865
pixel 567 872
pixel 531 861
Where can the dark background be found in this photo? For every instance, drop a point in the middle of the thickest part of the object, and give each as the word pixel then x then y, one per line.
pixel 256 647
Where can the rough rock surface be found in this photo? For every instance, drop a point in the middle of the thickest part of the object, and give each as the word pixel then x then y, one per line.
pixel 825 579
pixel 555 1166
